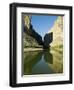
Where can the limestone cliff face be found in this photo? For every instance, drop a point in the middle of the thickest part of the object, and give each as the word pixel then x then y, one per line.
pixel 57 31
pixel 30 37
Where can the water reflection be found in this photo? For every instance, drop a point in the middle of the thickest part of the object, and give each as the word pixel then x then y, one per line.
pixel 42 62
pixel 48 57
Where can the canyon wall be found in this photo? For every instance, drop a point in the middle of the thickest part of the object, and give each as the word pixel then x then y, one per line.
pixel 30 37
pixel 57 31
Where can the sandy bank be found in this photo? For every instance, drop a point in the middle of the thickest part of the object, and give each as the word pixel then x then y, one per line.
pixel 32 49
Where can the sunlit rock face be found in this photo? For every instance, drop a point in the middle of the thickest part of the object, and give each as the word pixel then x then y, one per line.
pixel 27 21
pixel 57 31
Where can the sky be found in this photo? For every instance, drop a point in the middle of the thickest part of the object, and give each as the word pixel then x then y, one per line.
pixel 43 23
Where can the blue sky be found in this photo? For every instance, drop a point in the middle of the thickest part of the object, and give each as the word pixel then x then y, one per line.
pixel 42 24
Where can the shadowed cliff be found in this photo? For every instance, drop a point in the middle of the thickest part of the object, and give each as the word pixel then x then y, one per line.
pixel 31 37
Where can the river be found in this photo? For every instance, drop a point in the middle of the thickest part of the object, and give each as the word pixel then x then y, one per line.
pixel 42 62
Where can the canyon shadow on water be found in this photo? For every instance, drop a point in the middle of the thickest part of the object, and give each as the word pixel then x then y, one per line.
pixel 42 62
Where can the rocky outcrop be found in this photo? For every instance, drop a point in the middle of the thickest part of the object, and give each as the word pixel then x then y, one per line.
pixel 57 31
pixel 30 36
pixel 48 38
